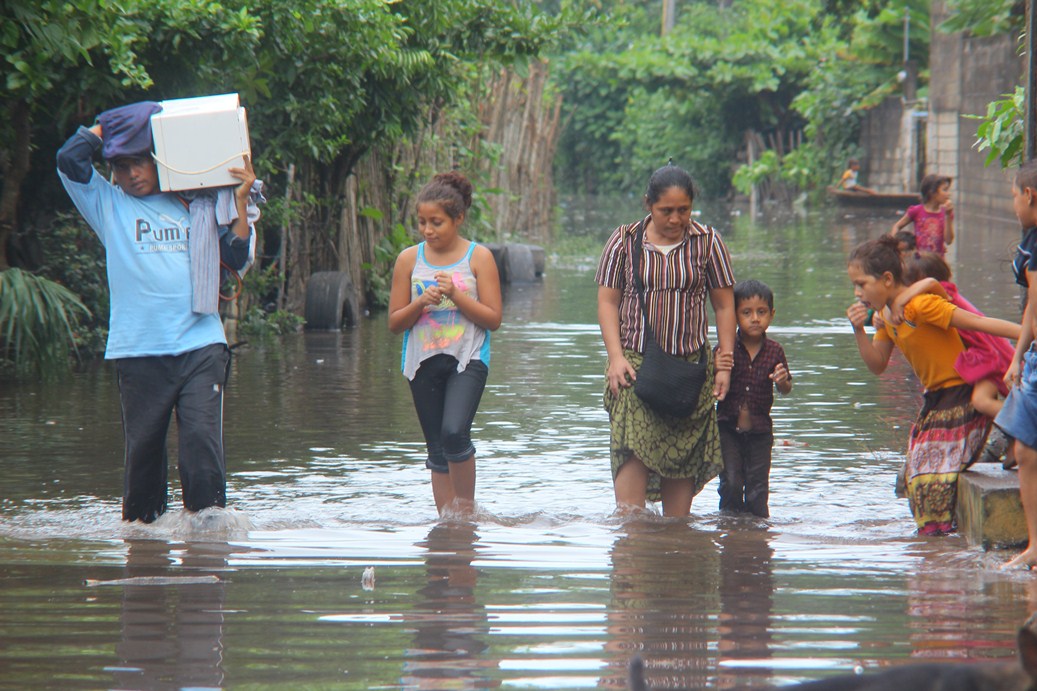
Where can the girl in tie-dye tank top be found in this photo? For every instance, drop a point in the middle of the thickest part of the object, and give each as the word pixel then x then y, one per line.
pixel 446 300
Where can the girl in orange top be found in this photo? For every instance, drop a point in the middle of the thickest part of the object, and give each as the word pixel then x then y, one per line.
pixel 948 432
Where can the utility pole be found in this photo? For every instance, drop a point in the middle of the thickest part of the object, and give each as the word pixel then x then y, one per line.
pixel 669 15
pixel 1031 81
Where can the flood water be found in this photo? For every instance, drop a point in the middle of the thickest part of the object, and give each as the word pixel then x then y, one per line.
pixel 546 589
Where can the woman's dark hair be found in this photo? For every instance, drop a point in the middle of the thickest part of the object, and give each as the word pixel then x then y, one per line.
pixel 666 177
pixel 876 257
pixel 931 184
pixel 452 191
pixel 926 265
pixel 751 288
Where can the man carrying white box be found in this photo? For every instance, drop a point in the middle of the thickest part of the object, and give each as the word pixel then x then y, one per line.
pixel 169 355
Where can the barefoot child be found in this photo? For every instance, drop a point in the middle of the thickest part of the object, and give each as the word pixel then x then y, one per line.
pixel 933 218
pixel 849 182
pixel 985 359
pixel 446 298
pixel 949 431
pixel 1018 416
pixel 744 416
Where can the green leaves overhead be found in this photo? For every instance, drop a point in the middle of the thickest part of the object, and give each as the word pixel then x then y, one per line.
pixel 721 71
pixel 985 17
pixel 1001 130
pixel 797 71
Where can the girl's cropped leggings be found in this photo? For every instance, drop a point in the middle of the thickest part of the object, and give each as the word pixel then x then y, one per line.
pixel 446 401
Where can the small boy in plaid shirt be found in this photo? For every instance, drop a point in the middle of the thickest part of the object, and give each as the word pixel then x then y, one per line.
pixel 744 416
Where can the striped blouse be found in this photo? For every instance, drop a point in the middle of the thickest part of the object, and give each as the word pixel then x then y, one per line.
pixel 676 285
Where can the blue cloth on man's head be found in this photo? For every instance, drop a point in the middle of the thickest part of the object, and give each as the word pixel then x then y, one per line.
pixel 126 130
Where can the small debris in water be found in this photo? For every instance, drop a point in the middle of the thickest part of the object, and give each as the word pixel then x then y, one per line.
pixel 155 580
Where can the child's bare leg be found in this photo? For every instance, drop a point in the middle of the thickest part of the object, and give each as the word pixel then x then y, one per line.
pixel 1027 459
pixel 462 480
pixel 985 398
pixel 442 490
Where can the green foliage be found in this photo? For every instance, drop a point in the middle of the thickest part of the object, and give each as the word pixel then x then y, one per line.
pixel 692 94
pixel 649 140
pixel 43 39
pixel 74 257
pixel 260 283
pixel 325 81
pixel 985 17
pixel 379 272
pixel 262 325
pixel 727 69
pixel 751 174
pixel 37 321
pixel 804 167
pixel 1001 129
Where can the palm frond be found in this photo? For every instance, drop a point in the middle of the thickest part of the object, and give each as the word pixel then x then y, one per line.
pixel 37 322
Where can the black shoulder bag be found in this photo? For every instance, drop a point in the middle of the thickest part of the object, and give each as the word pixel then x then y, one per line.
pixel 669 385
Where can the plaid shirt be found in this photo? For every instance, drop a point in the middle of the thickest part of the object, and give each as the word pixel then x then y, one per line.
pixel 676 286
pixel 751 385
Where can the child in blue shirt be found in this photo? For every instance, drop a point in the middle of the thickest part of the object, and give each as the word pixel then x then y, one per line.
pixel 1018 416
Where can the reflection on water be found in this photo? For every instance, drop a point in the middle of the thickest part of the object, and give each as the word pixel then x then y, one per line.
pixel 546 589
pixel 450 626
pixel 171 635
pixel 665 585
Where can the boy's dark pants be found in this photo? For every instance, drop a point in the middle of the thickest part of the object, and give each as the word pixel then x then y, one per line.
pixel 745 480
pixel 150 389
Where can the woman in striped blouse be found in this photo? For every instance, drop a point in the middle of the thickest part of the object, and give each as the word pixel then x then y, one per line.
pixel 657 456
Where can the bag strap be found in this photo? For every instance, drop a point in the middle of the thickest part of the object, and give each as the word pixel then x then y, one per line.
pixel 639 288
pixel 639 234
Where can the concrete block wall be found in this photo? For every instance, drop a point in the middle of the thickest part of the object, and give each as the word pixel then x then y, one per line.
pixel 883 158
pixel 966 74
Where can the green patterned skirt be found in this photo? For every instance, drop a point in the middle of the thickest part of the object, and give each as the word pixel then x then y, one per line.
pixel 670 447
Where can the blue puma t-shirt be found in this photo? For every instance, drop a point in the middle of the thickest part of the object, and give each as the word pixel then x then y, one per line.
pixel 149 271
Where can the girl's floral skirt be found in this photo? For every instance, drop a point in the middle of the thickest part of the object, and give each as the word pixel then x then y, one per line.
pixel 945 439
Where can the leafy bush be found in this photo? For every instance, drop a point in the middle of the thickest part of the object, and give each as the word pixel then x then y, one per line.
pixel 73 257
pixel 750 174
pixel 37 322
pixel 260 324
pixel 379 272
pixel 1001 129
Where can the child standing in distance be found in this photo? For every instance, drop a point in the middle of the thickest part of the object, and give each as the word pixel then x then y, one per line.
pixel 1018 416
pixel 849 181
pixel 445 299
pixel 985 359
pixel 933 218
pixel 948 432
pixel 744 416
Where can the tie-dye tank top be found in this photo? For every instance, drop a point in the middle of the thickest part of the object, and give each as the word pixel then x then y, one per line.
pixel 443 328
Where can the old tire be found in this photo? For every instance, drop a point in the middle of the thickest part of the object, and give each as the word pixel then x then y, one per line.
pixel 331 301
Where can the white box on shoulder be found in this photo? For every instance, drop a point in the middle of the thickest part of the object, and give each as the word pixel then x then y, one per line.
pixel 197 140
